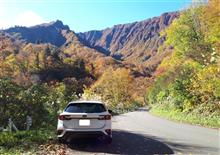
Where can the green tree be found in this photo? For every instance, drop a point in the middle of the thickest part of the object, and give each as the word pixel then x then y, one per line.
pixel 34 101
pixel 186 36
pixel 8 97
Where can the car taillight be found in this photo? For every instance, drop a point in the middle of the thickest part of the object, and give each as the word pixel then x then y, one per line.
pixel 105 117
pixel 64 117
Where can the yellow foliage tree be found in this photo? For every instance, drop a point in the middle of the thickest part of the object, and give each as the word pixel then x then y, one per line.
pixel 114 86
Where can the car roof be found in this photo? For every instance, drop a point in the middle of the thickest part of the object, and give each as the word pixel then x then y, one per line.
pixel 86 101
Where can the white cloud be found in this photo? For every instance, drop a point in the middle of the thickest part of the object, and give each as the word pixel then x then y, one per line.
pixel 26 18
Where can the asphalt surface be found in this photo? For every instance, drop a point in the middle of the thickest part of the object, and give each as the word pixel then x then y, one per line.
pixel 141 133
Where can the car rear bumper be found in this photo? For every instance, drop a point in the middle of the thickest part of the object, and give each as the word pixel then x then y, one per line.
pixel 71 133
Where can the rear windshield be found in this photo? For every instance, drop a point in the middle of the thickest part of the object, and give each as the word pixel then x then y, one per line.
pixel 85 108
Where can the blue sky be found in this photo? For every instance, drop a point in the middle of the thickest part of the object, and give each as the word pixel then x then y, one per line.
pixel 84 15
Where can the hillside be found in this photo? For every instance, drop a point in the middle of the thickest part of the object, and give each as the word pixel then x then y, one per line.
pixel 134 45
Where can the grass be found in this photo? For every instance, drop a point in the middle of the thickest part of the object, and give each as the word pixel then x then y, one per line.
pixel 23 141
pixel 171 114
pixel 17 150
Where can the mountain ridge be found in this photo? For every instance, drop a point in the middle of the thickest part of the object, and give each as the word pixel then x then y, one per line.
pixel 132 40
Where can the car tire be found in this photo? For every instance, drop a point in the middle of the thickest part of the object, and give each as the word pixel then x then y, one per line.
pixel 108 140
pixel 61 140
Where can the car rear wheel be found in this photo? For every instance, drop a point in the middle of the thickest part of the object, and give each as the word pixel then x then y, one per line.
pixel 61 140
pixel 108 140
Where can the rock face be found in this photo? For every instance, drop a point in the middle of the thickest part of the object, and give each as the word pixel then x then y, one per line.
pixel 44 33
pixel 138 41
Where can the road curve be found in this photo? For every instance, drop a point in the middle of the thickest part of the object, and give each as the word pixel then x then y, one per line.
pixel 141 133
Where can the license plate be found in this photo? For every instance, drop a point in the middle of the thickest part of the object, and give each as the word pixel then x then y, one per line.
pixel 84 122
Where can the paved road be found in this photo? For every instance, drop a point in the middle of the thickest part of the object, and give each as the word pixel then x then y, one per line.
pixel 141 133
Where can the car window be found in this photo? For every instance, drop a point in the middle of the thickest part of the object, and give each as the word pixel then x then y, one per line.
pixel 85 108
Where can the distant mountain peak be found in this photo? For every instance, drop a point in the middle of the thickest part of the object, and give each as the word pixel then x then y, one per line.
pixel 43 33
pixel 58 24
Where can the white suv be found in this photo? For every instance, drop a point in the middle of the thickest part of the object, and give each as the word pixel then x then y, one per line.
pixel 82 119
